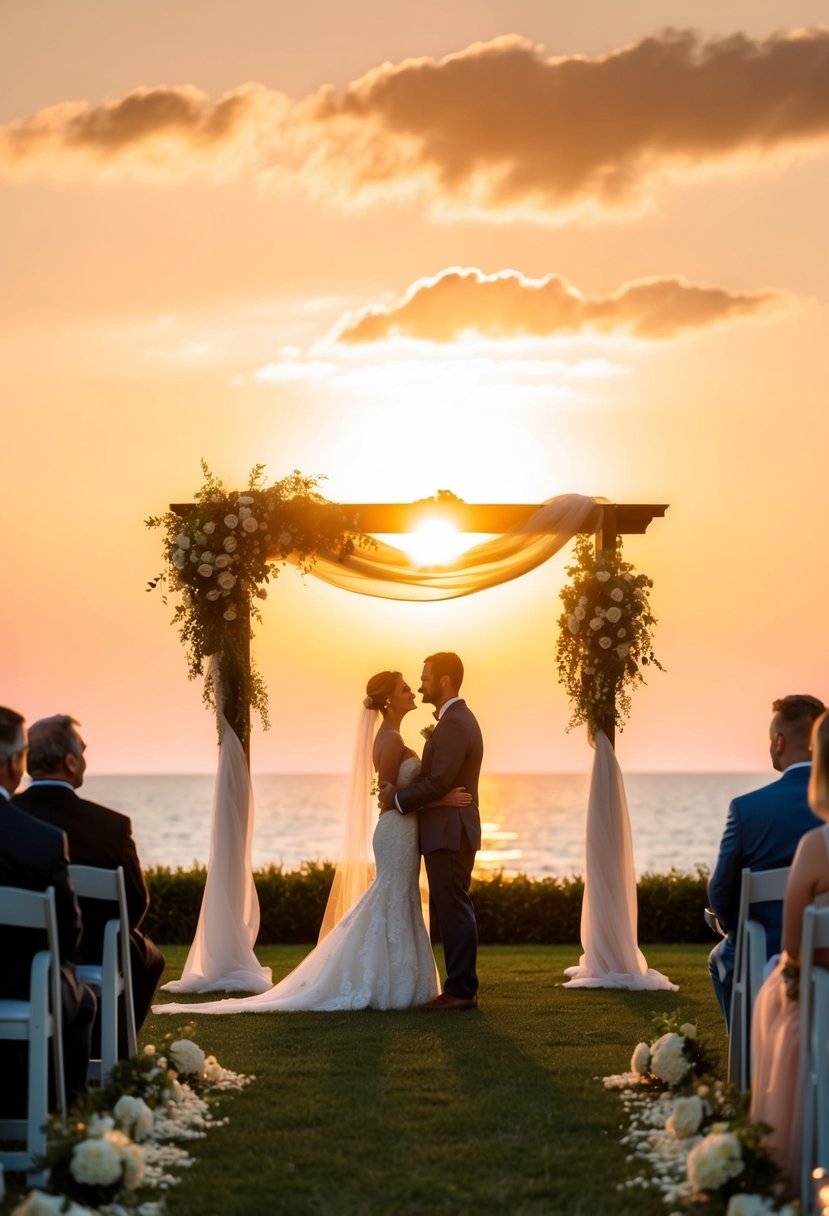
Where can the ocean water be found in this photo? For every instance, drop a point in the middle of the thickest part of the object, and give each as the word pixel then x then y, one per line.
pixel 532 823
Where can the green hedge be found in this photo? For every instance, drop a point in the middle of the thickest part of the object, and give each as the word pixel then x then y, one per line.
pixel 509 910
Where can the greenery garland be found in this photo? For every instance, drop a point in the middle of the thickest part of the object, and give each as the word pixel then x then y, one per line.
pixel 605 636
pixel 220 554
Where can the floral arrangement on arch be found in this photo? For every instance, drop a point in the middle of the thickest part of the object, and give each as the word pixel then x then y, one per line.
pixel 689 1136
pixel 221 553
pixel 605 636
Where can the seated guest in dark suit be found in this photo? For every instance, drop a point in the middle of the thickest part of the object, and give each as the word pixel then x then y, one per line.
pixel 33 856
pixel 762 831
pixel 97 836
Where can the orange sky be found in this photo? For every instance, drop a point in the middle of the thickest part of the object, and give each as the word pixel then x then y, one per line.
pixel 509 250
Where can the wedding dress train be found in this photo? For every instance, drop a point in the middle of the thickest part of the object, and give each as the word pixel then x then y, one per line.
pixel 377 957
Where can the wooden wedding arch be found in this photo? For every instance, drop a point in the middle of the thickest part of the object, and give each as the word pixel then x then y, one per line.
pixel 618 519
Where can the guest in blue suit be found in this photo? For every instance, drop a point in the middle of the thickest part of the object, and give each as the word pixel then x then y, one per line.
pixel 762 831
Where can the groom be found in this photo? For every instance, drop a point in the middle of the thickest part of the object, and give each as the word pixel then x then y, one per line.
pixel 449 836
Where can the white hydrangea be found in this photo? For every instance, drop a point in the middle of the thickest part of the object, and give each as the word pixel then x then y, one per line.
pixel 686 1117
pixel 668 1061
pixel 187 1057
pixel 753 1205
pixel 95 1162
pixel 714 1161
pixel 133 1116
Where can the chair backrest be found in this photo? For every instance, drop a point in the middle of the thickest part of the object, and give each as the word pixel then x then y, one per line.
pixel 94 882
pixel 814 1063
pixel 25 909
pixel 756 886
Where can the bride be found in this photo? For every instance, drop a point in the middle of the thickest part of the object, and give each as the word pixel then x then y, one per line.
pixel 373 949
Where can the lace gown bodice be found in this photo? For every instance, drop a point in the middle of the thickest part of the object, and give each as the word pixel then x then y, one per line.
pixel 378 956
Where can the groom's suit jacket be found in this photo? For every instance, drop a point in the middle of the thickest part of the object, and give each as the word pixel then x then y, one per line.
pixel 451 757
pixel 762 831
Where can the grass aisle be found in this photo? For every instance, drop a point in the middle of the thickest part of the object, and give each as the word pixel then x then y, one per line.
pixel 496 1110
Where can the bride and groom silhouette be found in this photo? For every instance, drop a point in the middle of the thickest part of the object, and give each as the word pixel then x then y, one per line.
pixel 378 955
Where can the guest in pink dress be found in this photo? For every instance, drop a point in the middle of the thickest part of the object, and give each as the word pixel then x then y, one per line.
pixel 775 1030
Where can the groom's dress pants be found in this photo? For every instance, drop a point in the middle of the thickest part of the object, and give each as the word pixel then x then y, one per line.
pixel 450 874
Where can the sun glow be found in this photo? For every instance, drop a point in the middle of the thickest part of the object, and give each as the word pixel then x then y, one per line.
pixel 435 543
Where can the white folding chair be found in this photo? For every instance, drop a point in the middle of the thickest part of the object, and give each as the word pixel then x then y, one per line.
pixel 113 975
pixel 814 1050
pixel 34 1021
pixel 757 886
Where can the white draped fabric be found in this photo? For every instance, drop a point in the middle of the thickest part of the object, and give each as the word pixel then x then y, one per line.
pixel 612 958
pixel 388 572
pixel 221 956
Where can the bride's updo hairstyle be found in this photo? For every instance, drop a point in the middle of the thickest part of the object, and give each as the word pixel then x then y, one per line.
pixel 379 689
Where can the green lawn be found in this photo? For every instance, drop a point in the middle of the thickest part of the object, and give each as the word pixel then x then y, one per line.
pixel 498 1110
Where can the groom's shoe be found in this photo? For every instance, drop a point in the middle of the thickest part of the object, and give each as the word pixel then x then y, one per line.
pixel 447 1001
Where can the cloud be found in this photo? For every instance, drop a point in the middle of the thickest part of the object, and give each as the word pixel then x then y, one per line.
pixel 497 129
pixel 164 132
pixel 508 305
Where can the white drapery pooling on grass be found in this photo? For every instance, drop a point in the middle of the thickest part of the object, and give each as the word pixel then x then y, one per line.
pixel 612 958
pixel 221 957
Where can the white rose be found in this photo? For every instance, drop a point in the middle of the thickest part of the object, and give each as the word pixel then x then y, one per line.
pixel 179 559
pixel 572 624
pixel 95 1163
pixel 222 561
pixel 213 1070
pixel 194 557
pixel 183 540
pixel 602 575
pixel 685 1118
pixel 582 599
pixel 199 537
pixel 205 570
pixel 621 633
pixel 207 556
pixel 286 540
pixel 250 524
pixel 596 622
pixel 640 1060
pixel 187 1057
pixel 614 615
pixel 580 613
pixel 231 521
pixel 714 1161
pixel 230 544
pixel 244 512
pixel 226 580
pixel 667 1059
pixel 623 651
pixel 689 1030
pixel 208 528
pixel 213 594
pixel 230 615
pixel 617 594
pixel 605 643
pixel 244 500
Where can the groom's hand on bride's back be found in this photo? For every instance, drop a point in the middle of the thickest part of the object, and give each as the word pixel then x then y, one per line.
pixel 386 799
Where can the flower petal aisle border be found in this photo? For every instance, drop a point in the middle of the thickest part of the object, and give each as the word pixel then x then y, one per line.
pixel 604 642
pixel 690 1136
pixel 125 1139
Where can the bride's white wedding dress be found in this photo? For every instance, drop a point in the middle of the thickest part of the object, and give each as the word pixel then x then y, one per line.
pixel 377 957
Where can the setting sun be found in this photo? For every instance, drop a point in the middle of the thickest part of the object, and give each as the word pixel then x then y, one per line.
pixel 434 543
